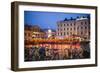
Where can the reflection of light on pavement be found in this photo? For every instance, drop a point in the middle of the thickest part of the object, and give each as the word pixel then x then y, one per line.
pixel 58 46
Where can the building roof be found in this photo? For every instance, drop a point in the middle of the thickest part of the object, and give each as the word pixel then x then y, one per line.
pixel 81 18
pixel 74 19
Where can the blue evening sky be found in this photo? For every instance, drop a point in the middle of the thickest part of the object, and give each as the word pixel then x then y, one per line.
pixel 47 19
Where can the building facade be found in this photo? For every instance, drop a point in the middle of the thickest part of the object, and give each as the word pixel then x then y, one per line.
pixel 27 32
pixel 79 26
pixel 33 32
pixel 37 32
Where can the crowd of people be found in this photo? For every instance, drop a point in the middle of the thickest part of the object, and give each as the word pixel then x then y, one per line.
pixel 45 53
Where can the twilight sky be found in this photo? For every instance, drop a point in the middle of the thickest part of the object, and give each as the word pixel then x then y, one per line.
pixel 47 19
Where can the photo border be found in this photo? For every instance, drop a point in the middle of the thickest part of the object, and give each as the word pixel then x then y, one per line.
pixel 15 33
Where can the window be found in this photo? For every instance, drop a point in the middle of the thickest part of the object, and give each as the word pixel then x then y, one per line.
pixel 58 25
pixel 67 24
pixel 28 34
pixel 71 24
pixel 70 33
pixel 85 27
pixel 64 28
pixel 64 33
pixel 58 33
pixel 61 33
pixel 85 22
pixel 61 25
pixel 81 23
pixel 74 24
pixel 77 28
pixel 74 28
pixel 81 33
pixel 85 32
pixel 58 29
pixel 67 28
pixel 89 33
pixel 70 28
pixel 81 27
pixel 25 34
pixel 64 24
pixel 67 33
